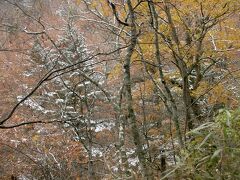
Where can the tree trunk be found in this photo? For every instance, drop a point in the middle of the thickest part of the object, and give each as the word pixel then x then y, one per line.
pixel 169 95
pixel 124 166
pixel 146 172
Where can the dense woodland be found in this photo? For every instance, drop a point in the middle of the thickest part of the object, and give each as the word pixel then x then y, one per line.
pixel 119 89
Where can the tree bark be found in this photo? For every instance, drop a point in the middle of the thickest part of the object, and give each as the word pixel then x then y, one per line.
pixel 146 172
pixel 169 95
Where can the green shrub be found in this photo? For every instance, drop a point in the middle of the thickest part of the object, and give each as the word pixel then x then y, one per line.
pixel 213 151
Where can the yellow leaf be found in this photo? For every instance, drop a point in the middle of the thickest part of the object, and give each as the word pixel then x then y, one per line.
pixel 35 138
pixel 78 2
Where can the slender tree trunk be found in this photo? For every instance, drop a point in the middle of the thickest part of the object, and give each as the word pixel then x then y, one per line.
pixel 147 174
pixel 169 95
pixel 122 151
pixel 91 173
pixel 181 65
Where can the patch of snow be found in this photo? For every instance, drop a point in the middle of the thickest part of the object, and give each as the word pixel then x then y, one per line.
pixel 31 103
pixel 66 125
pixel 74 74
pixel 59 101
pixel 16 142
pixel 27 73
pixel 24 140
pixel 133 161
pixel 101 82
pixel 104 125
pixel 24 86
pixel 115 169
pixel 91 94
pixel 69 107
pixel 23 177
pixel 97 152
pixel 51 94
pixel 62 63
pixel 48 111
pixel 72 112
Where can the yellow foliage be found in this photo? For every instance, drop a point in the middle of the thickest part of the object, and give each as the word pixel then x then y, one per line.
pixel 202 88
pixel 35 138
pixel 78 2
pixel 153 132
pixel 115 72
pixel 219 95
pixel 101 6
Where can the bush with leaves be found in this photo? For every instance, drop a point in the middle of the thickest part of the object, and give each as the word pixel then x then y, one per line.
pixel 213 151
